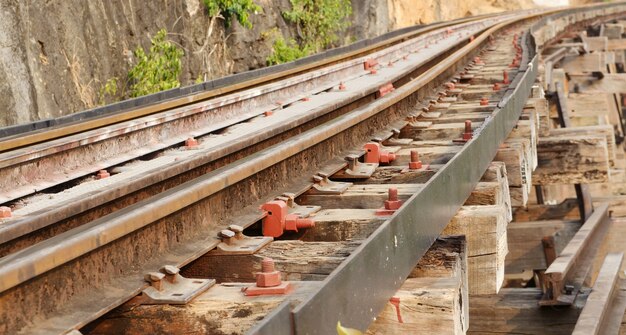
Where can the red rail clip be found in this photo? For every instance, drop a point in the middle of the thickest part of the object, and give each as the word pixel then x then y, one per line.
pixel 467 134
pixel 342 86
pixel 5 212
pixel 375 154
pixel 278 220
pixel 384 90
pixel 505 77
pixel 102 174
pixel 191 143
pixel 484 101
pixel 370 64
pixel 268 281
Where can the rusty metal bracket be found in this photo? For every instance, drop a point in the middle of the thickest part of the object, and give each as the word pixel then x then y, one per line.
pixel 234 242
pixel 356 169
pixel 168 287
pixel 324 186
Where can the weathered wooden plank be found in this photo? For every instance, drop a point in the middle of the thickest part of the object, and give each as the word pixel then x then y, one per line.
pixel 566 210
pixel 616 44
pixel 595 313
pixel 595 62
pixel 297 260
pixel 611 83
pixel 598 43
pixel 428 155
pixel 485 230
pixel 359 196
pixel 573 264
pixel 443 131
pixel 223 309
pixel 572 160
pixel 599 130
pixel 433 300
pixel 341 225
pixel 524 240
pixel 612 31
pixel 515 311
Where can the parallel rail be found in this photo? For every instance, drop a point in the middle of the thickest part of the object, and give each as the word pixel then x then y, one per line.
pixel 100 264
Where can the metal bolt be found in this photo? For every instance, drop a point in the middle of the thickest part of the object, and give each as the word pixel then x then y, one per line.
pixel 226 236
pixel 342 86
pixel 484 101
pixel 191 143
pixel 393 194
pixel 467 134
pixel 569 289
pixel 238 230
pixel 267 265
pixel 102 174
pixel 155 279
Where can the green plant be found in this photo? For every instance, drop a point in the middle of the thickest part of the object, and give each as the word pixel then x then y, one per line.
pixel 109 89
pixel 319 21
pixel 285 51
pixel 157 70
pixel 227 8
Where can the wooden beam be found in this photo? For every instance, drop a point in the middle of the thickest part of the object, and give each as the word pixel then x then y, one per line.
pixel 524 240
pixel 601 302
pixel 572 159
pixel 566 210
pixel 515 311
pixel 611 83
pixel 433 300
pixel 573 264
pixel 312 261
pixel 223 309
pixel 485 230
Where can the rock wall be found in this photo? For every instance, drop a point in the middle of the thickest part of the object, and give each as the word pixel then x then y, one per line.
pixel 56 55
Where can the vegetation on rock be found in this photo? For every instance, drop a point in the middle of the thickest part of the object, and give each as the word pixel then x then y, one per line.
pixel 318 22
pixel 157 70
pixel 241 9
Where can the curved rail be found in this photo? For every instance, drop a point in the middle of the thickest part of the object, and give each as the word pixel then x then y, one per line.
pixel 266 76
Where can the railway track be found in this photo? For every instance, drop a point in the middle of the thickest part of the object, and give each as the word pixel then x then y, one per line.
pixel 86 244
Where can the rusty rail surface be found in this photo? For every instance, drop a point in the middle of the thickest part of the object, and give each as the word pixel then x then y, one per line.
pixel 92 268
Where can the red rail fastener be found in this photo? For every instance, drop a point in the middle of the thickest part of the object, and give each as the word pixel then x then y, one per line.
pixel 375 154
pixel 391 204
pixel 373 71
pixel 450 86
pixel 472 38
pixel 396 302
pixel 505 77
pixel 496 86
pixel 5 212
pixel 191 143
pixel 102 174
pixel 268 113
pixel 305 99
pixel 484 101
pixel 384 90
pixel 415 162
pixel 268 281
pixel 370 63
pixel 278 220
pixel 390 64
pixel 467 134
pixel 342 86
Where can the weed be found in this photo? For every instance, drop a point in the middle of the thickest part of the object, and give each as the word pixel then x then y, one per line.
pixel 241 9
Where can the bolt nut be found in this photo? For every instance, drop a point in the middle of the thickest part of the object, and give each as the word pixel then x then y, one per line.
pixel 170 270
pixel 569 289
pixel 226 235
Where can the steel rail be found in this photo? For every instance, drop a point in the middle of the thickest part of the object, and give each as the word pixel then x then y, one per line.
pixel 48 216
pixel 21 140
pixel 359 288
pixel 33 261
pixel 91 237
